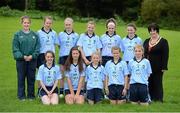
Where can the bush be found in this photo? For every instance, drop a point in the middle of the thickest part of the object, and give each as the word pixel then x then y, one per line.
pixel 164 12
pixel 6 11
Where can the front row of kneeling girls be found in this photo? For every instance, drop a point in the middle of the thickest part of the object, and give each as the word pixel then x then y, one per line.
pixel 113 78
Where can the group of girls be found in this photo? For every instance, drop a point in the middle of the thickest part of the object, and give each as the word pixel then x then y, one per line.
pixel 93 63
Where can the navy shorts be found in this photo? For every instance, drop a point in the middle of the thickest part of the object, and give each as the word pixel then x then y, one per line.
pixel 67 91
pixel 62 60
pixel 40 59
pixel 115 92
pixel 138 92
pixel 95 94
pixel 88 58
pixel 42 92
pixel 105 59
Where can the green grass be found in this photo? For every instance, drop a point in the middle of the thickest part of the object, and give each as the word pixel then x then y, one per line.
pixel 8 77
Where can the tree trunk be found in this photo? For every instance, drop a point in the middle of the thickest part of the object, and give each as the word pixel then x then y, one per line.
pixel 26 5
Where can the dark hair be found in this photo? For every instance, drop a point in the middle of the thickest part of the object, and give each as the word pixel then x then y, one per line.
pixel 153 26
pixel 111 20
pixel 52 53
pixel 69 60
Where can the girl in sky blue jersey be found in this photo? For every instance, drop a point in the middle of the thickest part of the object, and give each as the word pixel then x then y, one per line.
pixel 48 75
pixel 95 77
pixel 109 40
pixel 66 40
pixel 140 70
pixel 74 73
pixel 116 78
pixel 89 43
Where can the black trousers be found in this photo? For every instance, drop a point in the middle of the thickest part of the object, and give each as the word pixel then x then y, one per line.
pixel 26 70
pixel 156 86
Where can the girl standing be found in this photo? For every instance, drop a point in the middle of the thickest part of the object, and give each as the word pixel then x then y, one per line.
pixel 89 43
pixel 110 39
pixel 66 40
pixel 25 51
pixel 48 39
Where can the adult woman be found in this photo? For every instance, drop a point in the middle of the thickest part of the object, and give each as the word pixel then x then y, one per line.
pixel 157 51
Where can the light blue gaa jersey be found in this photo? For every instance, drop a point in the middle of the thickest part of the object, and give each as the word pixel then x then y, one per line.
pixel 74 75
pixel 89 44
pixel 108 42
pixel 139 71
pixel 48 76
pixel 116 72
pixel 47 40
pixel 66 42
pixel 94 77
pixel 129 44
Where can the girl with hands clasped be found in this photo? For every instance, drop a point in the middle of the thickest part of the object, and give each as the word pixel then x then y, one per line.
pixel 95 80
pixel 116 79
pixel 25 49
pixel 74 73
pixel 48 75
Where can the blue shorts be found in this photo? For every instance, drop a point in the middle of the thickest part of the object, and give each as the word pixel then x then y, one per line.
pixel 95 95
pixel 42 92
pixel 62 60
pixel 67 91
pixel 40 59
pixel 138 92
pixel 105 59
pixel 115 92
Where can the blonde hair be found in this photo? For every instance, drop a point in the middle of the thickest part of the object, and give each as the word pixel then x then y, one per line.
pixel 25 17
pixel 98 54
pixel 69 19
pixel 48 17
pixel 91 22
pixel 132 25
pixel 138 46
pixel 115 48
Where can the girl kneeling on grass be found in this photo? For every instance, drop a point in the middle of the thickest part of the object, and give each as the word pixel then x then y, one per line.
pixel 95 79
pixel 48 75
pixel 116 79
pixel 74 73
pixel 140 70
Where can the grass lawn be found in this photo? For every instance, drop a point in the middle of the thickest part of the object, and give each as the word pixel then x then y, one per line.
pixel 8 79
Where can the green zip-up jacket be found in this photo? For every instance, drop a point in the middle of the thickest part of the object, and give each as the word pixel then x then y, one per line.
pixel 25 44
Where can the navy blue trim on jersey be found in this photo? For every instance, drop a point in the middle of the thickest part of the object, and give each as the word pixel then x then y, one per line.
pixel 96 67
pixel 53 65
pixel 117 62
pixel 111 35
pixel 68 33
pixel 90 36
pixel 75 65
pixel 50 30
pixel 137 60
pixel 135 36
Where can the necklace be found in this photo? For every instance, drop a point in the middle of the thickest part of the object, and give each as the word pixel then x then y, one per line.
pixel 154 42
